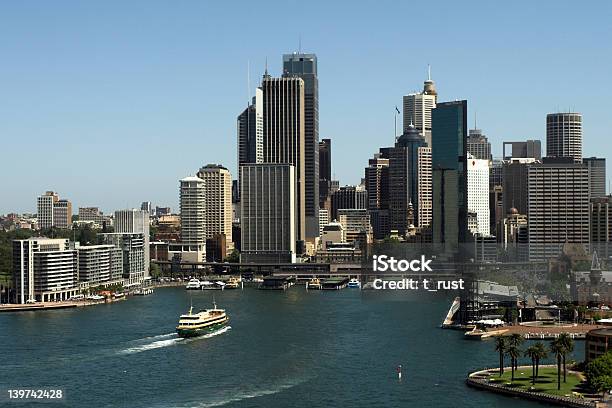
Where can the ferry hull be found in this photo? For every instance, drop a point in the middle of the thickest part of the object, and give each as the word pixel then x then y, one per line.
pixel 195 332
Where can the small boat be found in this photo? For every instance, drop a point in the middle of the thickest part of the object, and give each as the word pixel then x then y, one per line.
pixel 143 292
pixel 193 284
pixel 354 283
pixel 118 295
pixel 314 283
pixel 203 322
pixel 232 283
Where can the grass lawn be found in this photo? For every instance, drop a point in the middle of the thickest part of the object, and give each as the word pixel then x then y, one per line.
pixel 546 381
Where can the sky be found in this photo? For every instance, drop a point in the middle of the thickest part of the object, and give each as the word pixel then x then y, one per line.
pixel 110 103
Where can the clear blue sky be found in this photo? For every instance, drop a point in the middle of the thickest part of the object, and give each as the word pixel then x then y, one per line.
pixel 111 102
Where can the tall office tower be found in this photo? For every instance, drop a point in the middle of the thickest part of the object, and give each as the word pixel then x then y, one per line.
pixel 218 203
pixel 268 213
pixel 418 107
pixel 193 219
pixel 284 121
pixel 515 185
pixel 356 226
pixel 496 173
pixel 478 193
pixel 305 67
pixel 601 220
pixel 135 221
pixel 53 212
pixel 449 168
pixel 403 180
pixel 348 197
pixel 324 172
pixel 597 175
pixel 478 145
pixel 250 134
pixel 377 182
pixel 424 179
pixel 44 269
pixel 523 150
pixel 146 206
pixel 130 253
pixel 558 209
pixel 564 135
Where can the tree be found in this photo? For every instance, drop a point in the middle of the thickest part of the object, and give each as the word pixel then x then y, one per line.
pixel 557 348
pixel 532 352
pixel 514 353
pixel 501 347
pixel 599 372
pixel 542 354
pixel 568 346
pixel 516 340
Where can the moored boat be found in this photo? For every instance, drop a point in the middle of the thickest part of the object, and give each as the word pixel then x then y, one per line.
pixel 314 283
pixel 232 283
pixel 354 283
pixel 203 322
pixel 193 284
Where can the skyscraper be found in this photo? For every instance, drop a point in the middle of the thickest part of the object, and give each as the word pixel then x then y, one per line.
pixel 250 131
pixel 478 193
pixel 424 178
pixel 597 175
pixel 218 202
pixel 348 197
pixel 305 67
pixel 284 120
pixel 478 145
pixel 558 209
pixel 135 221
pixel 403 179
pixel 418 107
pixel 53 212
pixel 268 213
pixel 193 219
pixel 449 168
pixel 325 173
pixel 564 135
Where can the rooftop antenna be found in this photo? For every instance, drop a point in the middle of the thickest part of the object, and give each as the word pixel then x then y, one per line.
pixel 300 44
pixel 266 66
pixel 248 82
pixel 428 72
pixel 475 121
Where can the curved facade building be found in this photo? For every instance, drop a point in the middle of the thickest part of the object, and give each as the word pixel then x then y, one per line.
pixel 564 135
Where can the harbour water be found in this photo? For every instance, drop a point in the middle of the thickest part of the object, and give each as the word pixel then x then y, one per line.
pixel 286 348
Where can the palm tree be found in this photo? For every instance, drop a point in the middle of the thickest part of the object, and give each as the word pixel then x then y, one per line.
pixel 516 340
pixel 568 346
pixel 542 354
pixel 500 347
pixel 514 353
pixel 532 352
pixel 557 348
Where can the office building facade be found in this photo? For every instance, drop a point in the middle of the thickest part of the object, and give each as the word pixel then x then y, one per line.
pixel 564 135
pixel 218 203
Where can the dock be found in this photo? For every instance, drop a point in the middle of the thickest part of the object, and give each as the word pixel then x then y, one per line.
pixel 334 283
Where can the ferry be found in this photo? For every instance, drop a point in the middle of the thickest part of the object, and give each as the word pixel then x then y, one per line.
pixel 143 292
pixel 314 283
pixel 193 284
pixel 354 283
pixel 232 283
pixel 203 322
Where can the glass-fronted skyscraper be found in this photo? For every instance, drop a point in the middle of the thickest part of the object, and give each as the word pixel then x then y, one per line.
pixel 449 167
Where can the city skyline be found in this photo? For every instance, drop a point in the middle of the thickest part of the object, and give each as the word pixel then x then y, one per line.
pixel 164 96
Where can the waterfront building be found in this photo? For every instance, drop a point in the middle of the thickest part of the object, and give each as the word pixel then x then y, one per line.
pixel 133 221
pixel 597 175
pixel 268 208
pixel 304 66
pixel 53 212
pixel 216 248
pixel 96 263
pixel 523 150
pixel 356 226
pixel 449 168
pixel 323 219
pixel 558 206
pixel 478 193
pixel 217 203
pixel 478 145
pixel 284 139
pixel 564 135
pixel 192 245
pixel 348 197
pixel 44 269
pixel 418 110
pixel 132 252
pixel 598 342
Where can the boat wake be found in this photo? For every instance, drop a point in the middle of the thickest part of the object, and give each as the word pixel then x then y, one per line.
pixel 165 340
pixel 242 395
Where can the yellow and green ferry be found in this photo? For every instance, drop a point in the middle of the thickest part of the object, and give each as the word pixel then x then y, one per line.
pixel 203 322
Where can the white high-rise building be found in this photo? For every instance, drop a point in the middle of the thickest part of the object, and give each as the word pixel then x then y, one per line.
pixel 323 219
pixel 218 202
pixel 424 207
pixel 268 211
pixel 417 109
pixel 478 193
pixel 53 212
pixel 135 221
pixel 192 247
